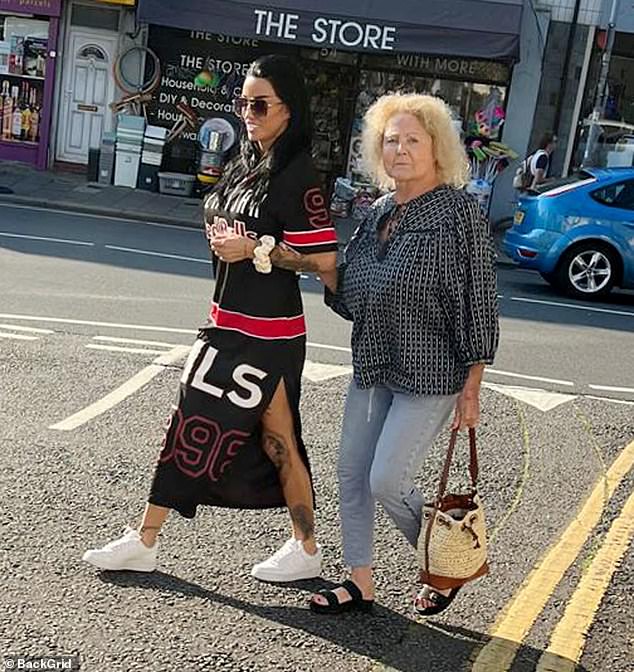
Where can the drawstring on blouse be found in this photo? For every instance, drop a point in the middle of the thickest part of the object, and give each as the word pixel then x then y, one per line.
pixel 372 389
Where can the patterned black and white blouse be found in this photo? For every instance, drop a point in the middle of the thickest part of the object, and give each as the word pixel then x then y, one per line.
pixel 424 303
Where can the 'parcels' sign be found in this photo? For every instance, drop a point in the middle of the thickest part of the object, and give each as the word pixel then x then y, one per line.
pixel 46 7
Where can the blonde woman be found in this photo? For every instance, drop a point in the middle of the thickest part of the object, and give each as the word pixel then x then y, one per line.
pixel 419 285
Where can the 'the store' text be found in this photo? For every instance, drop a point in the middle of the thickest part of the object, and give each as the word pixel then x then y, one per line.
pixel 329 31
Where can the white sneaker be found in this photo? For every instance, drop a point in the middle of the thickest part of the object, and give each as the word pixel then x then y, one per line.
pixel 289 563
pixel 126 553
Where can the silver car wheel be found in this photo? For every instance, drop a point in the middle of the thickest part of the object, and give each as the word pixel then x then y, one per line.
pixel 590 271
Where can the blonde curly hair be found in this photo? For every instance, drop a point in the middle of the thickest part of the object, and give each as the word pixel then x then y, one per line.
pixel 435 117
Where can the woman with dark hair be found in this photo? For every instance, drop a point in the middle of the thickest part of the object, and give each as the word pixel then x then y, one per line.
pixel 234 437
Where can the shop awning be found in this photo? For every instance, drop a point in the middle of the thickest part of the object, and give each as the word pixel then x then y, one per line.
pixel 486 29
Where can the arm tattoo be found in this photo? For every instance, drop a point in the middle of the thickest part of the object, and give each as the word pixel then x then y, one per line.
pixel 276 450
pixel 293 261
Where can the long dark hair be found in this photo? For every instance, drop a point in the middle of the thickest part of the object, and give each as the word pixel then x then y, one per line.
pixel 288 83
pixel 547 138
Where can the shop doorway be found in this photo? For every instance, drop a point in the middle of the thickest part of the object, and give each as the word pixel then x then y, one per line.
pixel 88 88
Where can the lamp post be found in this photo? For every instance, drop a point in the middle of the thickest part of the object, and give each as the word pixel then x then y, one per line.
pixel 600 98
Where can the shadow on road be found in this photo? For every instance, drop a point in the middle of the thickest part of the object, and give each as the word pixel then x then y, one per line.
pixel 386 636
pixel 131 261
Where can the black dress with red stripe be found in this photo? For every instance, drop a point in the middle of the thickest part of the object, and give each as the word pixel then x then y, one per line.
pixel 255 337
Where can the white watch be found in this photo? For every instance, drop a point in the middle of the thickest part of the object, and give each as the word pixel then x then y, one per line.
pixel 262 254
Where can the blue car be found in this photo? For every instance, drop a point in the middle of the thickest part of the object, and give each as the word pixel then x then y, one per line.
pixel 578 232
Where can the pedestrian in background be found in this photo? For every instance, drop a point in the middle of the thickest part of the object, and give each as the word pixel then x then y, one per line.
pixel 419 284
pixel 533 171
pixel 234 437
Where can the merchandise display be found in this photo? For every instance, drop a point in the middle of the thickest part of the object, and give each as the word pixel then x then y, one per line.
pixel 332 89
pixel 488 157
pixel 22 73
pixel 464 98
pixel 20 109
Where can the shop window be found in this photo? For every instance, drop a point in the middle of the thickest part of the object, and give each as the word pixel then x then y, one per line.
pixel 23 58
pixel 619 195
pixel 92 52
pixel 95 17
pixel 332 98
pixel 464 99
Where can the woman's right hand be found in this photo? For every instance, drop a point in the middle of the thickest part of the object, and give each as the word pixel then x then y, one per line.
pixel 231 248
pixel 467 413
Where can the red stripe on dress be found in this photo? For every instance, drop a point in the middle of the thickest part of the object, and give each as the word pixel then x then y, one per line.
pixel 258 327
pixel 316 237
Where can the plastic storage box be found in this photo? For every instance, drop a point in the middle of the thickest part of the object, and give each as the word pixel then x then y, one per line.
pixel 106 158
pixel 176 184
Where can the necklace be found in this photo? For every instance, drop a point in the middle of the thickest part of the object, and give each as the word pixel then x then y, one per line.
pixel 390 224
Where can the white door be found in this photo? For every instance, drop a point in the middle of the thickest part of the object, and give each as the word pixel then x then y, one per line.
pixel 87 88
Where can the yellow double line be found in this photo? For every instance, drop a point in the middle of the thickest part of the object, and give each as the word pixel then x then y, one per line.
pixel 518 617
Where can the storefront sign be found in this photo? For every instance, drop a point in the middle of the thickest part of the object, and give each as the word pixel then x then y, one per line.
pixel 467 28
pixel 184 54
pixel 325 31
pixel 44 7
pixel 446 67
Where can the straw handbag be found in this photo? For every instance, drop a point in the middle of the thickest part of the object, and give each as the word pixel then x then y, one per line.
pixel 452 545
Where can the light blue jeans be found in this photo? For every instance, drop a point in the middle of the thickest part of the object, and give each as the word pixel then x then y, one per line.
pixel 385 437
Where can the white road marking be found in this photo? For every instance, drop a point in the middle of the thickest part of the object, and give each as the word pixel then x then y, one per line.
pixel 611 401
pixel 118 348
pixel 19 337
pixel 113 339
pixel 574 306
pixel 29 329
pixel 540 399
pixel 93 323
pixel 111 218
pixel 123 391
pixel 316 372
pixel 324 346
pixel 608 388
pixel 510 374
pixel 137 327
pixel 45 238
pixel 163 255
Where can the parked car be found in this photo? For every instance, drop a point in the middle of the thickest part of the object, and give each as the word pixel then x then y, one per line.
pixel 578 231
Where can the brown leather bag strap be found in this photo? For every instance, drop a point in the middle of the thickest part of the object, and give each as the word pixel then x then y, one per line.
pixel 442 487
pixel 444 479
pixel 444 476
pixel 473 461
pixel 473 458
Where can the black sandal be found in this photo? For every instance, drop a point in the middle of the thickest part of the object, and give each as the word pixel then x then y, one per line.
pixel 440 601
pixel 357 603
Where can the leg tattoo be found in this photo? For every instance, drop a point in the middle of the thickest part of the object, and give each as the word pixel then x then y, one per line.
pixel 303 518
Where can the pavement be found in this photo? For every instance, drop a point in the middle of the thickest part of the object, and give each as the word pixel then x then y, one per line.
pixel 72 192
pixel 24 185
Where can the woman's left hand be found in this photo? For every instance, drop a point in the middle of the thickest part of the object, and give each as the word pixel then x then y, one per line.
pixel 467 412
pixel 232 249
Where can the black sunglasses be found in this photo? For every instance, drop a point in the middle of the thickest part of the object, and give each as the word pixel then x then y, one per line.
pixel 259 106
